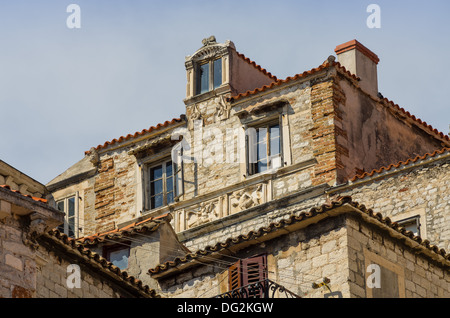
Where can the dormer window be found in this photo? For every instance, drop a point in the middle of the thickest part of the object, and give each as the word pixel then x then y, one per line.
pixel 209 76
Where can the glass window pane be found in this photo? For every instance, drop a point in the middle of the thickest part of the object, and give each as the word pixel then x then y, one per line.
pixel 261 166
pixel 261 151
pixel 156 173
pixel 170 197
pixel 275 146
pixel 156 187
pixel 261 134
pixel 71 224
pixel 217 73
pixel 169 184
pixel 274 131
pixel 168 169
pixel 71 207
pixel 157 201
pixel 203 78
pixel 119 258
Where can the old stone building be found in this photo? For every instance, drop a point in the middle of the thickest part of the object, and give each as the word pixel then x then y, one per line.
pixel 254 152
pixel 37 261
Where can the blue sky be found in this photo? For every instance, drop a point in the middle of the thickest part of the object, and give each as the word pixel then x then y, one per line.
pixel 63 91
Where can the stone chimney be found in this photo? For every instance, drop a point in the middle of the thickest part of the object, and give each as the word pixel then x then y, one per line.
pixel 360 61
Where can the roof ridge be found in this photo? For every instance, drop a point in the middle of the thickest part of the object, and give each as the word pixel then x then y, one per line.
pixel 293 219
pixel 278 82
pixel 259 67
pixel 132 228
pixel 416 119
pixel 87 253
pixel 136 134
pixel 400 163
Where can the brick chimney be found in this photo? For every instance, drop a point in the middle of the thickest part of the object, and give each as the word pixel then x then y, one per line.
pixel 362 62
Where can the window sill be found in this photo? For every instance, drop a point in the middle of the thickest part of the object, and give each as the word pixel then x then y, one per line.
pixel 224 88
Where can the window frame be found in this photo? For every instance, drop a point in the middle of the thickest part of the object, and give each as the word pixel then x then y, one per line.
pixel 411 220
pixel 65 227
pixel 175 156
pixel 149 167
pixel 211 75
pixel 252 143
pixel 108 249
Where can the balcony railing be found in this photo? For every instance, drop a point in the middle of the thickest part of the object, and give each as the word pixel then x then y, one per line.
pixel 262 289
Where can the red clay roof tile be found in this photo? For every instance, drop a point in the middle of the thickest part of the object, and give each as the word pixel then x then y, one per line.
pixel 123 276
pixel 279 82
pixel 130 229
pixel 256 65
pixel 137 134
pixel 25 195
pixel 399 164
pixel 323 209
pixel 414 118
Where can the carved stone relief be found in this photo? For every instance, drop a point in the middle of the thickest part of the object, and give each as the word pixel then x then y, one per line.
pixel 247 198
pixel 193 116
pixel 221 206
pixel 222 109
pixel 204 213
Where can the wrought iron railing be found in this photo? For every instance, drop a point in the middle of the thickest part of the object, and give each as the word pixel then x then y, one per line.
pixel 262 289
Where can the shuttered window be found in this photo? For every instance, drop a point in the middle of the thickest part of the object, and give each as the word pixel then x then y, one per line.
pixel 248 271
pixel 234 276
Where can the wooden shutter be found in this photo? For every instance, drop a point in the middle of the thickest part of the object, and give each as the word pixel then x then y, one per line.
pixel 234 275
pixel 254 269
pixel 248 271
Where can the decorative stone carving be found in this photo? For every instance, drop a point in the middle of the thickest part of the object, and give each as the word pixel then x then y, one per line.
pixel 193 116
pixel 93 156
pixel 209 41
pixel 222 109
pixel 37 227
pixel 209 50
pixel 206 212
pixel 247 198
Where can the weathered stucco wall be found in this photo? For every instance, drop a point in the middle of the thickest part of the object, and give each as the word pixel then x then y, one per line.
pixel 375 134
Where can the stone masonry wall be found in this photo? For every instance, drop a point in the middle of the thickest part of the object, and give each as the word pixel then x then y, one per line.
pixel 29 271
pixel 423 191
pixel 340 248
pixel 114 190
pixel 17 266
pixel 295 261
pixel 52 277
pixel 404 272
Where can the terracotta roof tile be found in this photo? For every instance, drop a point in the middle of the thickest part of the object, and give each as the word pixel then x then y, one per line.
pixel 399 164
pixel 323 209
pixel 330 62
pixel 25 195
pixel 150 224
pixel 138 133
pixel 256 66
pixel 279 82
pixel 414 118
pixel 123 276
